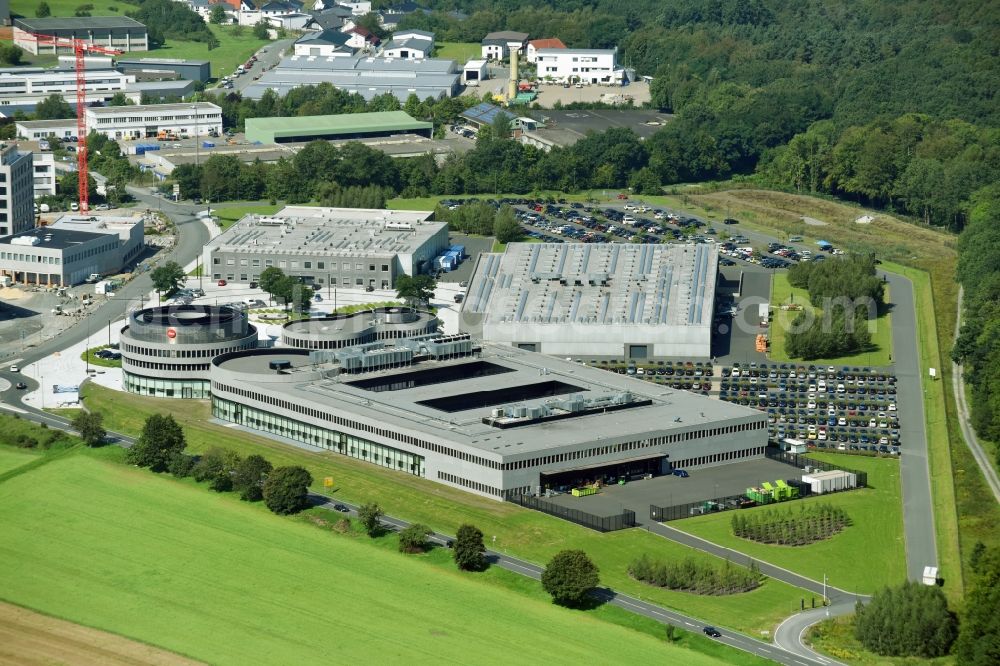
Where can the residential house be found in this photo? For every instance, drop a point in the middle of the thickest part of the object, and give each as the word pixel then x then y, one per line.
pixel 580 65
pixel 534 45
pixel 390 20
pixel 498 45
pixel 362 38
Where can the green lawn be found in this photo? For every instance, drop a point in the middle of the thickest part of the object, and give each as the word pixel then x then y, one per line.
pixel 864 557
pixel 26 8
pixel 782 293
pixel 96 360
pixel 11 458
pixel 172 564
pixel 233 50
pixel 460 52
pixel 528 534
pixel 229 215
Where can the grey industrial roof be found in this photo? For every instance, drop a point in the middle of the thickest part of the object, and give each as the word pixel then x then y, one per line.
pixel 506 35
pixel 161 61
pixel 334 37
pixel 601 284
pixel 59 239
pixel 409 43
pixel 296 230
pixel 147 108
pixel 174 87
pixel 406 409
pixel 411 31
pixel 643 122
pixel 44 124
pixel 76 23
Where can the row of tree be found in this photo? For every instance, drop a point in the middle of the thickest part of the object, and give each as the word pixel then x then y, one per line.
pixel 696 575
pixel 978 345
pixel 482 218
pixel 788 527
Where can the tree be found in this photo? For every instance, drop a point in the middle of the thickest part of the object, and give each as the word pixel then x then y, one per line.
pixel 469 551
pixel 269 280
pixel 293 293
pixel 286 490
pixel 506 228
pixel 415 290
pixel 911 620
pixel 260 30
pixel 413 539
pixel 119 99
pixel 218 15
pixel 90 425
pixel 42 10
pixel 161 439
pixel 250 476
pixel 569 577
pixel 218 467
pixel 979 634
pixel 167 278
pixel 11 54
pixel 370 516
pixel 54 107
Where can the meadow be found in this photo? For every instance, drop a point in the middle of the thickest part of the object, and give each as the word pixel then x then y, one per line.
pixel 209 577
pixel 875 533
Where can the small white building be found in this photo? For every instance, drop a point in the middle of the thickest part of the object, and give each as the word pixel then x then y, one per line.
pixel 134 122
pixel 580 65
pixel 324 43
pixel 832 481
pixel 498 45
pixel 33 130
pixel 474 72
pixel 410 45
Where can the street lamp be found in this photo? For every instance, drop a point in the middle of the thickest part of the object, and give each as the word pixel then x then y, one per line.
pixel 197 141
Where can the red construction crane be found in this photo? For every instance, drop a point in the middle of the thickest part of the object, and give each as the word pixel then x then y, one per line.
pixel 80 50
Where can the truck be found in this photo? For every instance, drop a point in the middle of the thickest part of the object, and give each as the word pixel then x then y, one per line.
pixel 166 135
pixel 94 277
pixel 104 287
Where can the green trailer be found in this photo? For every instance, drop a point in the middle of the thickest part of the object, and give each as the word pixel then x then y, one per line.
pixel 760 495
pixel 785 491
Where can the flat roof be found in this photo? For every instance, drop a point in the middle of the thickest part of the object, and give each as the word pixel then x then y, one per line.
pixel 298 230
pixel 150 108
pixel 52 238
pixel 602 284
pixel 644 123
pixel 567 51
pixel 43 124
pixel 162 61
pixel 341 123
pixel 76 23
pixel 449 399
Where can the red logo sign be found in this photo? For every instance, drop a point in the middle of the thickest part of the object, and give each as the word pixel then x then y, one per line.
pixel 171 333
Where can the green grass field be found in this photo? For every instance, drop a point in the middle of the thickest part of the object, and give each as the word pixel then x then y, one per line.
pixel 26 8
pixel 172 564
pixel 877 532
pixel 232 51
pixel 528 534
pixel 835 637
pixel 11 458
pixel 460 52
pixel 783 293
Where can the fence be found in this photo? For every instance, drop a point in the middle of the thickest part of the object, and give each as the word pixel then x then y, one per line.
pixel 801 461
pixel 662 514
pixel 621 521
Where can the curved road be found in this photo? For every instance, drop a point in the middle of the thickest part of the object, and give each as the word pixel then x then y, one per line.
pixel 958 386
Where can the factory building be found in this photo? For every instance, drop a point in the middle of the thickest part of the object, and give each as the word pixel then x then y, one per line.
pixel 190 70
pixel 490 420
pixel 335 127
pixel 618 301
pixel 166 351
pixel 345 247
pixel 71 250
pixel 364 75
pixel 115 32
pixel 133 122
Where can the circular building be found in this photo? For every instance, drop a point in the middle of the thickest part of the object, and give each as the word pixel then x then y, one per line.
pixel 358 328
pixel 167 351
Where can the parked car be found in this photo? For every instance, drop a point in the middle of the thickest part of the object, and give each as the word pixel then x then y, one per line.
pixel 222 283
pixel 681 473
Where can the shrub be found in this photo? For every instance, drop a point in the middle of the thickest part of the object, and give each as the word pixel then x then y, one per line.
pixel 569 577
pixel 286 490
pixel 911 620
pixel 696 576
pixel 413 539
pixel 788 527
pixel 469 550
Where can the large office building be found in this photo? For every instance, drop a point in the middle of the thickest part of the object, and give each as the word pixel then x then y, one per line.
pixel 72 249
pixel 366 76
pixel 579 65
pixel 191 70
pixel 619 301
pixel 347 247
pixel 133 122
pixel 17 190
pixel 490 420
pixel 335 127
pixel 35 35
pixel 27 86
pixel 166 351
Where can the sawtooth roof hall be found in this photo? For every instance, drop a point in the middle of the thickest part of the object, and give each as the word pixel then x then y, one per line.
pixel 367 76
pixel 595 300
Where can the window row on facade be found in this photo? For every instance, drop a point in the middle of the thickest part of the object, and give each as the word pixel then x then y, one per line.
pixel 184 353
pixel 194 389
pixel 282 263
pixel 465 483
pixel 718 457
pixel 175 367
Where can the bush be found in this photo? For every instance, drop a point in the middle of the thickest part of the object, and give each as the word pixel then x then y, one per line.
pixel 788 527
pixel 181 465
pixel 569 577
pixel 370 516
pixel 286 490
pixel 912 620
pixel 469 550
pixel 26 442
pixel 413 539
pixel 696 576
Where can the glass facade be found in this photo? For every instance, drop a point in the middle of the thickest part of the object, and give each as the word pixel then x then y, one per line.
pixel 313 435
pixel 198 389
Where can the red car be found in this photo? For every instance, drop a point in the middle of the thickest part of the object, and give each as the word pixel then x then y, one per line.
pixel 222 283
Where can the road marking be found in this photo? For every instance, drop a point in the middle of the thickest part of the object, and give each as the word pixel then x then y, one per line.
pixel 690 625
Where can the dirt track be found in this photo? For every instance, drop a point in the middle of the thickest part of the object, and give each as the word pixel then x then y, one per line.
pixel 28 638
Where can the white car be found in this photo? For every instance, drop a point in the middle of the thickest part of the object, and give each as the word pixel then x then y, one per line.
pixel 14 368
pixel 892 406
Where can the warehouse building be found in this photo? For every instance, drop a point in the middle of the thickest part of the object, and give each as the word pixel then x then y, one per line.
pixel 166 351
pixel 116 32
pixel 619 301
pixel 190 70
pixel 346 247
pixel 72 249
pixel 366 76
pixel 17 190
pixel 491 420
pixel 335 127
pixel 24 86
pixel 133 122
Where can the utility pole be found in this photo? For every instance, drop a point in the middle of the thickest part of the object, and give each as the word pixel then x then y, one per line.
pixel 197 140
pixel 824 589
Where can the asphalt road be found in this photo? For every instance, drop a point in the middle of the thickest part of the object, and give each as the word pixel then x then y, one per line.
pixel 267 57
pixel 918 509
pixel 968 433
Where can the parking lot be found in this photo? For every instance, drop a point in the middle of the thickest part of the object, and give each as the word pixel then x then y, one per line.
pixel 701 484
